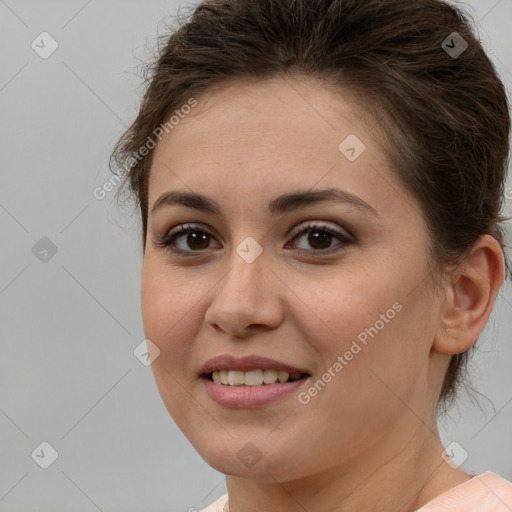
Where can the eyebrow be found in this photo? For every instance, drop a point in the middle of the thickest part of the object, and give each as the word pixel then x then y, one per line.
pixel 281 204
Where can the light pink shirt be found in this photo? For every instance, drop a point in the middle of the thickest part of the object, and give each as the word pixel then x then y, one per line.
pixel 487 492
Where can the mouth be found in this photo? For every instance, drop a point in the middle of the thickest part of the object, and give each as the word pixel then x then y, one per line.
pixel 253 393
pixel 250 382
pixel 253 378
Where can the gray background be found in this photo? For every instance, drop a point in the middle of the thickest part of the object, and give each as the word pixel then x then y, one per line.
pixel 70 324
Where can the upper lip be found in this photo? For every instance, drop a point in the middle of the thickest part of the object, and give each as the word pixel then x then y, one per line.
pixel 247 363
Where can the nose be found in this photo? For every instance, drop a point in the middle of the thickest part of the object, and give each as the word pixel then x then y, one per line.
pixel 249 297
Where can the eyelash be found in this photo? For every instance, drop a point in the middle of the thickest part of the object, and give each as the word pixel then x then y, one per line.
pixel 167 241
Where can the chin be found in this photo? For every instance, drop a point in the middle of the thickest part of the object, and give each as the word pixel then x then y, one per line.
pixel 251 460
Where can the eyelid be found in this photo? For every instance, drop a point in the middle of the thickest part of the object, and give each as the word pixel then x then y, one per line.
pixel 164 241
pixel 188 225
pixel 320 225
pixel 292 233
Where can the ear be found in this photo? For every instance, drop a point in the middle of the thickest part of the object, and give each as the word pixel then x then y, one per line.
pixel 470 293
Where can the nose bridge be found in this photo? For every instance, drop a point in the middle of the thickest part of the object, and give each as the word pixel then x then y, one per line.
pixel 246 259
pixel 246 277
pixel 248 293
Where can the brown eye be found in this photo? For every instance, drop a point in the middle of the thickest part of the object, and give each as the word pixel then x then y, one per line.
pixel 187 240
pixel 197 240
pixel 320 237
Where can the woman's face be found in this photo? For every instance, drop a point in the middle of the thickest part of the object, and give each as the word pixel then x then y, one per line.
pixel 332 286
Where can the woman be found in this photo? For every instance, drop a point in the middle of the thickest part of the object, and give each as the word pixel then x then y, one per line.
pixel 312 373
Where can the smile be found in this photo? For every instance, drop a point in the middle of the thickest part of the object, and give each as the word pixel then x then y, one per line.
pixel 253 377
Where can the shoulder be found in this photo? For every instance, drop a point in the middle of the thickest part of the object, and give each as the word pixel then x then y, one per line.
pixel 488 492
pixel 495 489
pixel 217 505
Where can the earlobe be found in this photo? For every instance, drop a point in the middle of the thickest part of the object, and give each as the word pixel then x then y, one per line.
pixel 470 294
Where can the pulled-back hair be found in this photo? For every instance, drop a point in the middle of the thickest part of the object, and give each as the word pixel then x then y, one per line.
pixel 443 116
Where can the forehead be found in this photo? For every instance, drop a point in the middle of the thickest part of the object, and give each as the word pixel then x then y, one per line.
pixel 254 112
pixel 248 139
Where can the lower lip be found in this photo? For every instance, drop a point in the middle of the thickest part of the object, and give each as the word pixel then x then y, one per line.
pixel 250 397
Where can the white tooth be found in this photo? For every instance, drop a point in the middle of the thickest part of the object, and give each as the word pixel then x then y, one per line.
pixel 269 376
pixel 282 376
pixel 236 378
pixel 254 378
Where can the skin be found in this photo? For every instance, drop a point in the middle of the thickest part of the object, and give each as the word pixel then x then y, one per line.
pixel 369 439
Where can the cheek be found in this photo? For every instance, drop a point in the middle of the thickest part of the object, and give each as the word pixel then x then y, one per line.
pixel 371 335
pixel 168 299
pixel 172 318
pixel 346 307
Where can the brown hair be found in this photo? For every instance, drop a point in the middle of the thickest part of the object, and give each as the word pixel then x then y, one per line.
pixel 444 116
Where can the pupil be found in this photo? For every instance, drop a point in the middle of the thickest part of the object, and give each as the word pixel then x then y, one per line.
pixel 315 237
pixel 196 238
